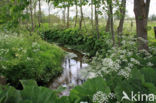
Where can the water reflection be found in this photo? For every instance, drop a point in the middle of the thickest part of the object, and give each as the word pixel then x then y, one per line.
pixel 71 74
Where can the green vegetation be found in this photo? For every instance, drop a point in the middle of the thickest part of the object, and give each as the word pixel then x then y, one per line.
pixel 77 39
pixel 25 57
pixel 120 51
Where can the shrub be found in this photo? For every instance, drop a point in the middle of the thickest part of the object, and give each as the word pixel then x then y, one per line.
pixel 77 39
pixel 25 57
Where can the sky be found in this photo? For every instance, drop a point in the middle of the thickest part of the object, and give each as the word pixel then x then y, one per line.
pixel 86 9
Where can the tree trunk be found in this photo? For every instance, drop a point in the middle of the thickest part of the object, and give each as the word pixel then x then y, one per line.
pixel 92 22
pixel 39 15
pixel 120 27
pixel 155 31
pixel 97 22
pixel 112 22
pixel 68 9
pixel 141 10
pixel 31 14
pixel 35 14
pixel 64 16
pixel 76 14
pixel 108 24
pixel 81 19
pixel 49 7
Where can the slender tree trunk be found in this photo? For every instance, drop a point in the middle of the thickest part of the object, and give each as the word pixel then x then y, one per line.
pixel 141 10
pixel 92 22
pixel 31 15
pixel 120 27
pixel 49 7
pixel 27 22
pixel 81 19
pixel 97 22
pixel 68 9
pixel 64 16
pixel 112 22
pixel 108 24
pixel 35 14
pixel 76 13
pixel 39 16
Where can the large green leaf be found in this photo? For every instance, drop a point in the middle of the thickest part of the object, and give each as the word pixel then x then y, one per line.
pixel 88 89
pixel 10 95
pixel 35 94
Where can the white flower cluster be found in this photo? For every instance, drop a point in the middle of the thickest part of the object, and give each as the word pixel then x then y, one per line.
pixel 125 72
pixel 4 51
pixel 135 61
pixel 83 102
pixel 36 47
pixel 120 60
pixel 100 97
pixel 150 64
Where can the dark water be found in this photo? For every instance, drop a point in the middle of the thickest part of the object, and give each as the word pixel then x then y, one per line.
pixel 71 74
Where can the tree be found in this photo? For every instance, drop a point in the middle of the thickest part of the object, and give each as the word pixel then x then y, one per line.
pixel 108 24
pixel 97 4
pixel 122 8
pixel 12 12
pixel 141 10
pixel 76 14
pixel 64 15
pixel 81 12
pixel 31 15
pixel 92 21
pixel 49 8
pixel 39 14
pixel 97 21
pixel 110 4
pixel 68 13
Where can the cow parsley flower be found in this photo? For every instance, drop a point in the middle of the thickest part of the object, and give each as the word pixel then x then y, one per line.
pixel 100 97
pixel 149 64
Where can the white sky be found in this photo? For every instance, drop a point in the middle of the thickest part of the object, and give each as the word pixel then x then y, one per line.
pixel 86 9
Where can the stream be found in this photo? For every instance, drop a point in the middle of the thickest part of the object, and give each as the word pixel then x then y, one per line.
pixel 70 77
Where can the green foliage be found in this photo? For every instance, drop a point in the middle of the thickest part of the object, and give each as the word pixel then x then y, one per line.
pixel 86 91
pixel 11 12
pixel 32 93
pixel 25 57
pixel 78 40
pixel 138 82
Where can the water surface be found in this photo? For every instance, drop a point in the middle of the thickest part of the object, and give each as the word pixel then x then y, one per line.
pixel 70 77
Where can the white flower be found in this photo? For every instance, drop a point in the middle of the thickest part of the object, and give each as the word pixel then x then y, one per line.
pixel 123 42
pixel 28 58
pixel 111 95
pixel 107 62
pixel 135 61
pixel 130 65
pixel 129 53
pixel 83 102
pixel 100 97
pixel 149 64
pixel 124 73
pixel 91 75
pixel 121 56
